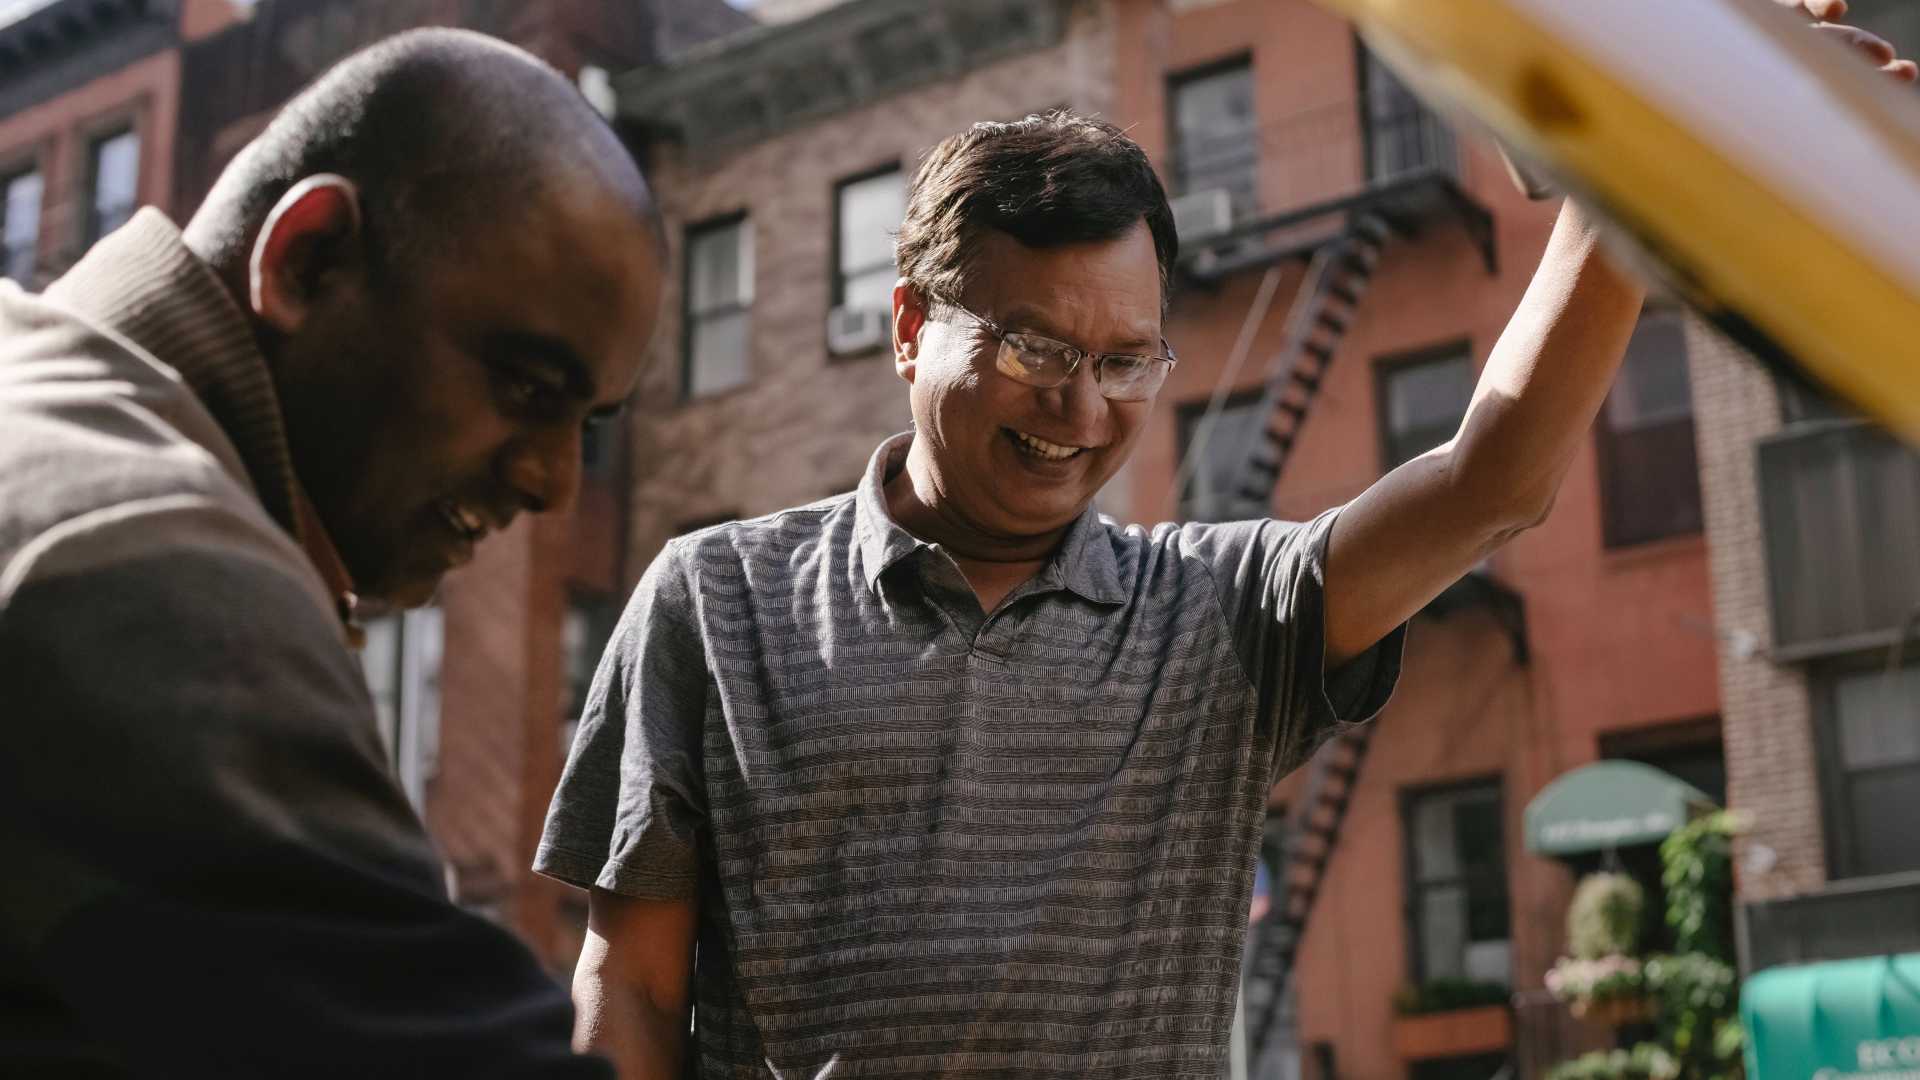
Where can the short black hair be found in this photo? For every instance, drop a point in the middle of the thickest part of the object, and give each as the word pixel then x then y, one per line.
pixel 439 129
pixel 1051 179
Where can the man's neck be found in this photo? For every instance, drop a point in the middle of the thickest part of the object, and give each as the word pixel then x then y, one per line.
pixel 994 564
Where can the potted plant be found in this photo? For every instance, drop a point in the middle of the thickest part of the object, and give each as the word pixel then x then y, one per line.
pixel 1603 980
pixel 1644 1062
pixel 1445 1018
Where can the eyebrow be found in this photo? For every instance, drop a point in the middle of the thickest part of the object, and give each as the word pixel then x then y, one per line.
pixel 1026 316
pixel 557 357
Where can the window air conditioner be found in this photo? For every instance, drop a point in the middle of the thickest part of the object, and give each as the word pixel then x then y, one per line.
pixel 853 330
pixel 1198 215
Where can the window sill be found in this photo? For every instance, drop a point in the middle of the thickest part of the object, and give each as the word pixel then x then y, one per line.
pixel 1665 549
pixel 856 354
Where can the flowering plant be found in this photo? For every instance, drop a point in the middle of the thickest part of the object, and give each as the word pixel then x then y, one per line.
pixel 1608 978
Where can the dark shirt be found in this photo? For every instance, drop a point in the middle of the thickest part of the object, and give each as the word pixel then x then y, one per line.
pixel 207 868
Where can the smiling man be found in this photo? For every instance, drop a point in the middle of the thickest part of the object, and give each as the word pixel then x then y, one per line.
pixel 950 775
pixel 375 343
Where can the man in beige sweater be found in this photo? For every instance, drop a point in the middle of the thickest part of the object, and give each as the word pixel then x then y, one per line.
pixel 376 342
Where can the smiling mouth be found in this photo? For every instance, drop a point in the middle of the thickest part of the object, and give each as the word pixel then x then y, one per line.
pixel 1036 447
pixel 465 524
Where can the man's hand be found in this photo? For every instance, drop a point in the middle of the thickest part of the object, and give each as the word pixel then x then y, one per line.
pixel 1877 49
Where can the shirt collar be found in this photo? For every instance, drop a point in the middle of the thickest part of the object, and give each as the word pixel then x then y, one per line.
pixel 1084 564
pixel 143 283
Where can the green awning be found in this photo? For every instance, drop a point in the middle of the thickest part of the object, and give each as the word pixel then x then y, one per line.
pixel 1845 1020
pixel 1609 804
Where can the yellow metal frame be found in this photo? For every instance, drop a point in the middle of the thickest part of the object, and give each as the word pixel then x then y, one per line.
pixel 1799 285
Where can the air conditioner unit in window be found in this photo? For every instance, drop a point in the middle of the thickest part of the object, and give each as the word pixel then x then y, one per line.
pixel 855 330
pixel 1198 215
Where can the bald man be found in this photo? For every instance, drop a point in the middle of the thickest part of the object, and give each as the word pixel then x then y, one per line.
pixel 377 343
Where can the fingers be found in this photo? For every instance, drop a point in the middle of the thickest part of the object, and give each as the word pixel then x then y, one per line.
pixel 1904 70
pixel 1875 47
pixel 1819 9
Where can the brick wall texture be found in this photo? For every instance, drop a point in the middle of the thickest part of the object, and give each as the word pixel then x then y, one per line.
pixel 1766 719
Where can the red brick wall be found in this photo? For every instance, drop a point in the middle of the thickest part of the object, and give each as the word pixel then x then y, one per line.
pixel 1767 720
pixel 56 136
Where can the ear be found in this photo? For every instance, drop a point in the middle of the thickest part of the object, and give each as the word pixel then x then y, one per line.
pixel 909 318
pixel 298 243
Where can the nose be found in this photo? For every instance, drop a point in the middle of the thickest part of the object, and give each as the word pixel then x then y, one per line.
pixel 1078 400
pixel 543 468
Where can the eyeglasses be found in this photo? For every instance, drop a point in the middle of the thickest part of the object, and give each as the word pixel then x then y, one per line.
pixel 1039 361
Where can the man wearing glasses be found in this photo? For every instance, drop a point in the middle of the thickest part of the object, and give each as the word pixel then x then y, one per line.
pixel 950 775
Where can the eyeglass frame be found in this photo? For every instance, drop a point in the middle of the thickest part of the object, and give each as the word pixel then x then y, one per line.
pixel 1080 355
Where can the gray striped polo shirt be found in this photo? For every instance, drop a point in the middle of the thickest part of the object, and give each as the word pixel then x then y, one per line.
pixel 931 841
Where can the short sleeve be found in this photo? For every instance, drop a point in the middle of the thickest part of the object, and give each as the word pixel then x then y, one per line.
pixel 630 805
pixel 1270 577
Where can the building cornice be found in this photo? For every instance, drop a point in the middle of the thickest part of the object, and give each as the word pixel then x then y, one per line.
pixel 749 86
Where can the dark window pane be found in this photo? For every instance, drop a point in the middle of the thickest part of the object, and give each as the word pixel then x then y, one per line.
pixel 1649 475
pixel 1215 134
pixel 1224 449
pixel 1462 917
pixel 1423 404
pixel 1879 718
pixel 1883 805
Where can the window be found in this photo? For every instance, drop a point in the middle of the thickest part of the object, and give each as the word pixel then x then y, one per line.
pixel 585 631
pixel 1216 140
pixel 402 662
pixel 868 213
pixel 116 183
pixel 1871 746
pixel 1423 398
pixel 1649 481
pixel 1212 489
pixel 20 226
pixel 1457 884
pixel 719 298
pixel 1404 137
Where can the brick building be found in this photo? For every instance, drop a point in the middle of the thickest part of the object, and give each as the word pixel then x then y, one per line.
pixel 1814 521
pixel 109 105
pixel 780 159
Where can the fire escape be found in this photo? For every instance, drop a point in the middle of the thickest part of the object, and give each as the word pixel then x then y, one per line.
pixel 1342 225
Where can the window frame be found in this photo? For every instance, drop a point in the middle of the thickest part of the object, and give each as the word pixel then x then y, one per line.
pixel 837 273
pixel 96 140
pixel 1836 819
pixel 1178 80
pixel 1387 366
pixel 1614 535
pixel 1413 888
pixel 1186 419
pixel 742 220
pixel 27 164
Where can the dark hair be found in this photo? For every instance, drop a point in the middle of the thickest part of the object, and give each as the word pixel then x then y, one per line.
pixel 1051 179
pixel 440 129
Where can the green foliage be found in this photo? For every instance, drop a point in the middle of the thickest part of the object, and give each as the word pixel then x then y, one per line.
pixel 1644 1062
pixel 1604 918
pixel 1698 998
pixel 1696 989
pixel 1697 862
pixel 1447 995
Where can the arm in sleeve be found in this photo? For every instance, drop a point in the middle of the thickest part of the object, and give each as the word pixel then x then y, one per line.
pixel 210 870
pixel 631 803
pixel 1270 577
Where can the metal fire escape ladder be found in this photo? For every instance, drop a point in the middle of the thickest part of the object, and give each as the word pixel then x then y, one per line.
pixel 1312 834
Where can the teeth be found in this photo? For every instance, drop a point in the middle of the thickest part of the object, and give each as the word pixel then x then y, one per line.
pixel 463 520
pixel 1045 449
